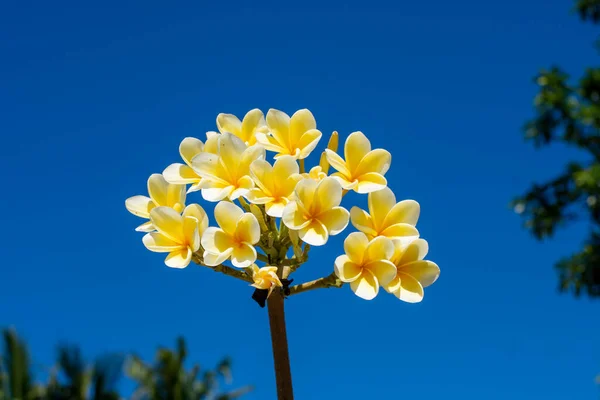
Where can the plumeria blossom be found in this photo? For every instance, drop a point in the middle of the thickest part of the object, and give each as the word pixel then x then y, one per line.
pixel 316 173
pixel 413 273
pixel 296 136
pixel 178 235
pixel 275 184
pixel 227 173
pixel 265 278
pixel 363 169
pixel 235 239
pixel 253 123
pixel 386 217
pixel 366 264
pixel 315 212
pixel 161 193
pixel 183 174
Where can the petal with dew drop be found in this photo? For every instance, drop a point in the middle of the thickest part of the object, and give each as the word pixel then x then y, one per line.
pixel 346 269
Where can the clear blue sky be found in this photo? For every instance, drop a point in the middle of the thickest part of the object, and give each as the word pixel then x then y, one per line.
pixel 96 98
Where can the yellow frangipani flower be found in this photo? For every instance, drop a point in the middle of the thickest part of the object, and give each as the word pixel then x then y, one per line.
pixel 177 235
pixel 364 169
pixel 366 264
pixel 182 174
pixel 236 237
pixel 275 184
pixel 254 122
pixel 413 273
pixel 296 136
pixel 265 278
pixel 161 193
pixel 316 173
pixel 227 174
pixel 387 218
pixel 315 211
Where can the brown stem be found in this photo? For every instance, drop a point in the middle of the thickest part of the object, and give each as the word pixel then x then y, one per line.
pixel 325 282
pixel 281 357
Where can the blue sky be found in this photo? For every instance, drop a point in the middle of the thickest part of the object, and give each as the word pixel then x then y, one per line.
pixel 95 98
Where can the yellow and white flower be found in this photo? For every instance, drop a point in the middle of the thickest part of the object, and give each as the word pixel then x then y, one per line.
pixel 183 174
pixel 363 169
pixel 161 193
pixel 235 239
pixel 297 136
pixel 253 123
pixel 316 174
pixel 265 278
pixel 176 234
pixel 275 184
pixel 366 264
pixel 315 211
pixel 387 218
pixel 413 273
pixel 227 174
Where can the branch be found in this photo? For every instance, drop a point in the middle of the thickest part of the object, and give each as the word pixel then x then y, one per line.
pixel 224 269
pixel 325 282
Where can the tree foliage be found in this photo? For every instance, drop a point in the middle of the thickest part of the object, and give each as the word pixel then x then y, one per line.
pixel 569 113
pixel 72 378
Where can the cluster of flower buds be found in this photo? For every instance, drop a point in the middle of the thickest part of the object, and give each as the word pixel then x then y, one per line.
pixel 272 213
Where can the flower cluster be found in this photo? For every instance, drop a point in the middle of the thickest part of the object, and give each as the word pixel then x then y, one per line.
pixel 273 212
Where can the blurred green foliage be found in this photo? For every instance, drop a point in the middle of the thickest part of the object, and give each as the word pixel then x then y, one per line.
pixel 569 113
pixel 72 378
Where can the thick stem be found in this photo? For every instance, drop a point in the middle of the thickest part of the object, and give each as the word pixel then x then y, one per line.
pixel 325 282
pixel 281 357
